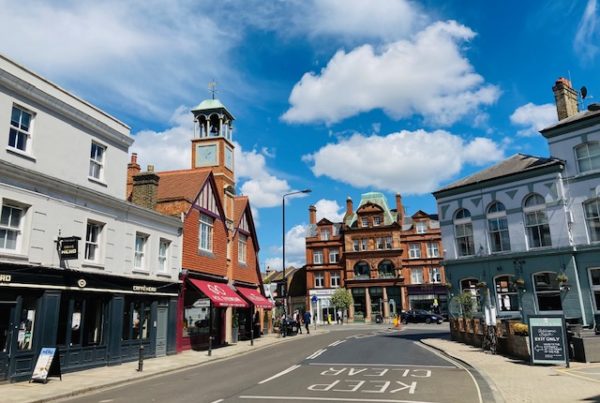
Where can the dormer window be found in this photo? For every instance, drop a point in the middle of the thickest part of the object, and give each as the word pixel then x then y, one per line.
pixel 325 234
pixel 421 227
pixel 377 221
pixel 364 222
pixel 588 156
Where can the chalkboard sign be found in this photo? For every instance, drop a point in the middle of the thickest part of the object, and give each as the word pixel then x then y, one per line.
pixel 547 339
pixel 48 364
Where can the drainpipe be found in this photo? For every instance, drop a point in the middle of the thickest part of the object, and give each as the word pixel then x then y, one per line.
pixel 578 288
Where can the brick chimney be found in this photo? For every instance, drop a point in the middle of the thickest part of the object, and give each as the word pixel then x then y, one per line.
pixel 349 208
pixel 399 208
pixel 565 97
pixel 145 188
pixel 133 168
pixel 312 214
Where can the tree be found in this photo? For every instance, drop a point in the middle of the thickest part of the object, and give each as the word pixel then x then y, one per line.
pixel 342 299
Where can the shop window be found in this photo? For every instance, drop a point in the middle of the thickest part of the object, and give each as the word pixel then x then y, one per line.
pixel 196 315
pixel 361 270
pixel 93 321
pixel 81 321
pixel 76 323
pixel 146 321
pixel 595 282
pixel 386 269
pixel 137 320
pixel 126 335
pixel 414 251
pixel 506 294
pixel 536 222
pixel 26 325
pixel 547 291
pixel 360 306
pixel 376 296
pixel 463 231
pixel 498 227
pixel 592 219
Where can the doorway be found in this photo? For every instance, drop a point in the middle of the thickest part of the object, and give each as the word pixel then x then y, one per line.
pixel 162 316
pixel 7 315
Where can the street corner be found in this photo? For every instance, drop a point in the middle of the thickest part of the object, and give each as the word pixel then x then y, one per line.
pixel 588 372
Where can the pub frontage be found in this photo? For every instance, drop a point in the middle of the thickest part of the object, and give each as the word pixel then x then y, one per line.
pixel 94 319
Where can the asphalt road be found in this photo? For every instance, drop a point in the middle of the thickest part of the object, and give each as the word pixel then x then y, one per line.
pixel 356 364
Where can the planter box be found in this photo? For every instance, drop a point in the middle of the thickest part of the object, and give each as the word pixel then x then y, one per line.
pixel 518 346
pixel 586 349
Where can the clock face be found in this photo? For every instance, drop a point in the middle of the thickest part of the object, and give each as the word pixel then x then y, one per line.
pixel 206 155
pixel 229 158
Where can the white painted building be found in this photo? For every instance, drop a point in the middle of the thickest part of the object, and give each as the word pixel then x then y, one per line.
pixel 63 167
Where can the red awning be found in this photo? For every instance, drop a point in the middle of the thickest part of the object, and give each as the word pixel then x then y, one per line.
pixel 220 294
pixel 255 298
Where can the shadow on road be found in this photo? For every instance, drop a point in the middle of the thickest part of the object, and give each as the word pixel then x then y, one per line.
pixel 418 334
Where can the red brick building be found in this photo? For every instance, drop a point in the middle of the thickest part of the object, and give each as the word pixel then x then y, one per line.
pixel 390 262
pixel 222 288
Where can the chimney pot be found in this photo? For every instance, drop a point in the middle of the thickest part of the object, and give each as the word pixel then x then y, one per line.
pixel 134 158
pixel 566 98
pixel 312 214
pixel 150 168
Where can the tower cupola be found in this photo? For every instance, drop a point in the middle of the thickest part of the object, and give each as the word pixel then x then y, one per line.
pixel 212 119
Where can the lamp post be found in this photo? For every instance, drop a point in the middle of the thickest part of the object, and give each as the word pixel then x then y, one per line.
pixel 283 236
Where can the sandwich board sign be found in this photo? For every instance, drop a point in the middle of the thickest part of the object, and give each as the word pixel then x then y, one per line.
pixel 548 339
pixel 48 364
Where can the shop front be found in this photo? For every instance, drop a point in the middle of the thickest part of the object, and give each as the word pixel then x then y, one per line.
pixel 432 298
pixel 321 307
pixel 251 327
pixel 93 319
pixel 203 309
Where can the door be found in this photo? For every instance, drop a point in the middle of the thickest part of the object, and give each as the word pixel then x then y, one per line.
pixel 162 319
pixel 7 313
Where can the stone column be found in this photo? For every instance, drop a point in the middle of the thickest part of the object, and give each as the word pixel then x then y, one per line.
pixel 368 304
pixel 386 304
pixel 351 311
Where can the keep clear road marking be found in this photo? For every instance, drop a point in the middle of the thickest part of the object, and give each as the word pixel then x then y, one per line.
pixel 337 342
pixel 458 364
pixel 331 399
pixel 316 354
pixel 285 371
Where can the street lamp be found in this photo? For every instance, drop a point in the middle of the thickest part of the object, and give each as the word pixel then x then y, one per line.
pixel 283 236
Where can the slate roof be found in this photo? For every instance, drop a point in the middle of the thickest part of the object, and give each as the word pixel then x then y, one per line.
pixel 183 184
pixel 518 163
pixel 580 116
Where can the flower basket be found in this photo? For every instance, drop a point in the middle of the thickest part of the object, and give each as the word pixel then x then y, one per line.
pixel 481 284
pixel 448 286
pixel 562 278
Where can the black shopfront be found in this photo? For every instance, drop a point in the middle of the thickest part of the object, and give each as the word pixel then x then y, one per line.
pixel 93 319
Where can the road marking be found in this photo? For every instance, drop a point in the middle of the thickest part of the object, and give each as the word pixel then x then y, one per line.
pixel 336 343
pixel 458 364
pixel 106 401
pixel 285 371
pixel 316 354
pixel 336 364
pixel 330 399
pixel 218 401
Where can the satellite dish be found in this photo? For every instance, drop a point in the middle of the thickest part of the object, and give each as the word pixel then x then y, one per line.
pixel 583 92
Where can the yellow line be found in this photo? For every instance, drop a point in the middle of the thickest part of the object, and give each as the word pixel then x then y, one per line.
pixel 568 372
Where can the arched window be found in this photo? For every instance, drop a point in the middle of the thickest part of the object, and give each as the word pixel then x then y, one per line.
pixel 536 221
pixel 588 156
pixel 506 294
pixel 592 219
pixel 215 125
pixel 469 286
pixel 386 269
pixel 463 230
pixel 498 227
pixel 361 270
pixel 547 291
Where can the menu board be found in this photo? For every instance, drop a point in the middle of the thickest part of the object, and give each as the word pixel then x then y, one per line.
pixel 547 339
pixel 48 364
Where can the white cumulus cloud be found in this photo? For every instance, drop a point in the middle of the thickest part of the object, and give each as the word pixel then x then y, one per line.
pixel 427 75
pixel 329 209
pixel 533 118
pixel 587 36
pixel 408 162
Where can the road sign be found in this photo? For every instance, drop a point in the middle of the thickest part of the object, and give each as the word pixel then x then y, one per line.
pixel 314 298
pixel 547 339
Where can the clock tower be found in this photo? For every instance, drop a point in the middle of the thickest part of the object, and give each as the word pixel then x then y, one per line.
pixel 212 147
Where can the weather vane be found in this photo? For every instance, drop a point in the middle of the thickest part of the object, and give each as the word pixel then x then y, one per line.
pixel 212 87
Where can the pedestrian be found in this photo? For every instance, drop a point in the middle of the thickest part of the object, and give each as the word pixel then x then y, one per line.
pixel 339 318
pixel 307 321
pixel 298 320
pixel 283 324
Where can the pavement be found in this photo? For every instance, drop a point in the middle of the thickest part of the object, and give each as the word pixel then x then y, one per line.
pixel 510 380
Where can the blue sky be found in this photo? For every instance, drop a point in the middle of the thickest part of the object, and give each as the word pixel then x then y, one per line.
pixel 339 96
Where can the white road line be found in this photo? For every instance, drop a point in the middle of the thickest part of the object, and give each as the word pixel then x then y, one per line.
pixel 217 401
pixel 330 399
pixel 458 364
pixel 354 364
pixel 316 354
pixel 336 343
pixel 285 371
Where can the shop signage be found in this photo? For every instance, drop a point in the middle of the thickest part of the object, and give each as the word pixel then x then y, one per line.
pixel 81 283
pixel 321 292
pixel 5 278
pixel 548 339
pixel 144 288
pixel 48 364
pixel 68 248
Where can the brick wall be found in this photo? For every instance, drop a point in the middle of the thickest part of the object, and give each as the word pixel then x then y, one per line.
pixel 192 258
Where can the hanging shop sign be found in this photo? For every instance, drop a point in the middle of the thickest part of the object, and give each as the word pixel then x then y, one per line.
pixel 547 339
pixel 68 248
pixel 48 364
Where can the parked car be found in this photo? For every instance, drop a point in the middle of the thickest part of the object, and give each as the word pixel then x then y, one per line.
pixel 421 315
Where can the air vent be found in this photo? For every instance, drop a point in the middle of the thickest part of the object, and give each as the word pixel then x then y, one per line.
pixel 594 107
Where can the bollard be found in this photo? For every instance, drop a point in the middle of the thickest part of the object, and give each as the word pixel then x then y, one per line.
pixel 252 336
pixel 210 338
pixel 141 359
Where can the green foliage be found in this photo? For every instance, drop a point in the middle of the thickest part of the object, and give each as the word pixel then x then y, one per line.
pixel 342 298
pixel 520 329
pixel 466 302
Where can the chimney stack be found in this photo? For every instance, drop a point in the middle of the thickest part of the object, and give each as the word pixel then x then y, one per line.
pixel 133 168
pixel 145 188
pixel 349 207
pixel 312 214
pixel 399 208
pixel 565 97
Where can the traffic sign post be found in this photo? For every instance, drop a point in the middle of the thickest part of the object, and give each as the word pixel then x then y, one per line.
pixel 548 339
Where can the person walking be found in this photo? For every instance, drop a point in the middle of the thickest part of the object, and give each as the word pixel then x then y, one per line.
pixel 307 321
pixel 298 319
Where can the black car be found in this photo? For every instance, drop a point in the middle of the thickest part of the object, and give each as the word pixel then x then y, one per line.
pixel 420 316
